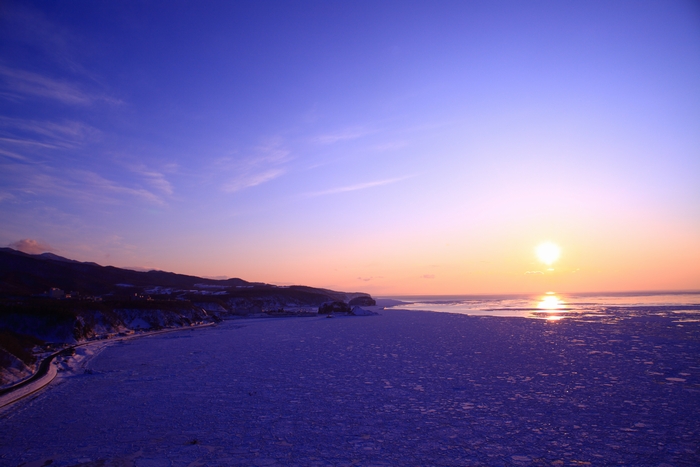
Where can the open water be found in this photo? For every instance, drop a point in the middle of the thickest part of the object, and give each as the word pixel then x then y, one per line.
pixel 549 305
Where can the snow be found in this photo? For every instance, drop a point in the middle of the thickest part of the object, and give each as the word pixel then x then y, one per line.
pixel 17 370
pixel 7 400
pixel 401 388
pixel 138 323
pixel 359 311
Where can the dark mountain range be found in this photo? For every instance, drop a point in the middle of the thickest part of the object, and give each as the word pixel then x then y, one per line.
pixel 24 274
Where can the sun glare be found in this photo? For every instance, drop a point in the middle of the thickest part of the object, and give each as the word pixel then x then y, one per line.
pixel 550 302
pixel 548 253
pixel 550 307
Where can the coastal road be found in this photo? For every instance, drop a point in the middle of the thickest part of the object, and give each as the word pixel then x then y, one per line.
pixel 46 372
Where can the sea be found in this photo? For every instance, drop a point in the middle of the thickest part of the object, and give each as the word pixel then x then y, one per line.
pixel 549 305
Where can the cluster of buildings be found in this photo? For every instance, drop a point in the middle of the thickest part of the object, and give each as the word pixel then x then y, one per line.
pixel 59 294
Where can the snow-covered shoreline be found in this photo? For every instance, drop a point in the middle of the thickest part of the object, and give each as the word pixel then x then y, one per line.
pixel 63 363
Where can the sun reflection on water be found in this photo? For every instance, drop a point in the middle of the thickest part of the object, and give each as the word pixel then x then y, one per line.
pixel 550 303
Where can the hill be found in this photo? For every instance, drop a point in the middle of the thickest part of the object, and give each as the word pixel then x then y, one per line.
pixel 24 274
pixel 47 301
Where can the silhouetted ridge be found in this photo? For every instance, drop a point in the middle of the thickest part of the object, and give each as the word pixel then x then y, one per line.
pixel 24 274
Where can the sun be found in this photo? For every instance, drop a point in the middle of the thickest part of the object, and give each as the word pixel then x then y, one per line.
pixel 548 252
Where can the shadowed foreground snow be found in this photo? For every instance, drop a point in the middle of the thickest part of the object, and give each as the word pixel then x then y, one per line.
pixel 402 388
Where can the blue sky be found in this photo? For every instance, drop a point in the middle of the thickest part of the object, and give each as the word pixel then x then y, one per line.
pixel 393 147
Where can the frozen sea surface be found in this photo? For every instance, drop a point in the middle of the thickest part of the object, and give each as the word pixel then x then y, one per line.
pixel 404 388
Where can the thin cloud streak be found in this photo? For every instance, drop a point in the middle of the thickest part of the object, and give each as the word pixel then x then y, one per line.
pixel 252 179
pixel 25 82
pixel 103 185
pixel 68 133
pixel 256 170
pixel 54 42
pixel 13 155
pixel 82 186
pixel 27 142
pixel 359 186
pixel 156 179
pixel 346 135
pixel 20 82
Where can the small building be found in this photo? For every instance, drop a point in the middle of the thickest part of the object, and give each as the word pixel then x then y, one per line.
pixel 55 292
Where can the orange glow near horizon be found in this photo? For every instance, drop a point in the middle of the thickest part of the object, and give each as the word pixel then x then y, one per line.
pixel 384 268
pixel 383 262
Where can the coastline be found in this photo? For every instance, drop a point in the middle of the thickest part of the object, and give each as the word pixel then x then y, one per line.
pixel 47 369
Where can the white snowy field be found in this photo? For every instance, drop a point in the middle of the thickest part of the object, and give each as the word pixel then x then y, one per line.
pixel 401 388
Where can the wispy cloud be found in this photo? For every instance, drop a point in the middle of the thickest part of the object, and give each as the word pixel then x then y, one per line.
pixel 30 141
pixel 79 185
pixel 12 155
pixel 154 178
pixel 26 142
pixel 50 40
pixel 24 82
pixel 343 135
pixel 30 246
pixel 248 180
pixel 67 133
pixel 95 183
pixel 21 83
pixel 359 186
pixel 57 48
pixel 267 164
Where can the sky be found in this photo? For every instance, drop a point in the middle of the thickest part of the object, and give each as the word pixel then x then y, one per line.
pixel 378 146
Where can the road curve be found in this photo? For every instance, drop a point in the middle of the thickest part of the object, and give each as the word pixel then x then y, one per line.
pixel 47 372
